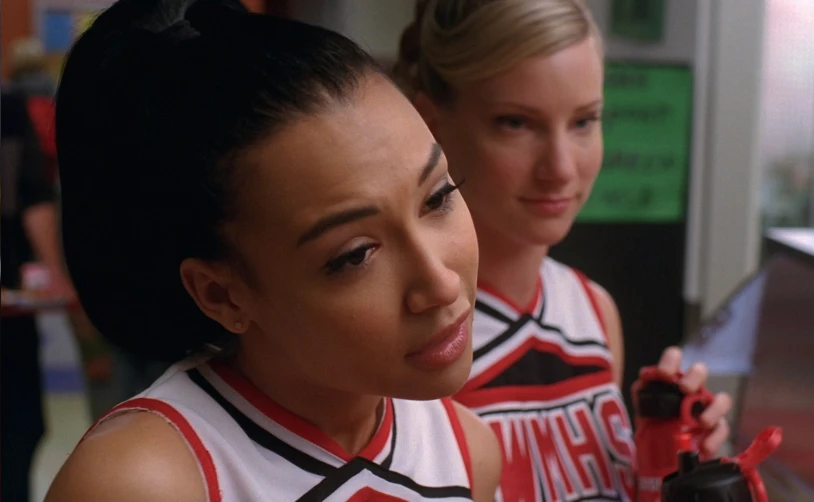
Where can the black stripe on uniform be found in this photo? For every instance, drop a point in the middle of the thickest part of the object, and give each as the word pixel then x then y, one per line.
pixel 539 317
pixel 388 461
pixel 540 368
pixel 260 435
pixel 347 472
pixel 521 323
pixel 498 340
pixel 492 312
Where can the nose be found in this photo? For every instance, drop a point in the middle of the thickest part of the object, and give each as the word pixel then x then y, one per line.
pixel 556 162
pixel 432 283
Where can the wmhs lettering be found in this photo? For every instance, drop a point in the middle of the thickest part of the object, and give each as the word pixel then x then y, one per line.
pixel 576 452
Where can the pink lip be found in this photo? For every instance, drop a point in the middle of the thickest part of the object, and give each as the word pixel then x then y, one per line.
pixel 445 347
pixel 549 206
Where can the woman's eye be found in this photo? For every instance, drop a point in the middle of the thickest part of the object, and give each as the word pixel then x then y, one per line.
pixel 357 256
pixel 587 121
pixel 352 259
pixel 441 200
pixel 511 122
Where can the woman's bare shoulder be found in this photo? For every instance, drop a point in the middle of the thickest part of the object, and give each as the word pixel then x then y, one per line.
pixel 134 457
pixel 485 454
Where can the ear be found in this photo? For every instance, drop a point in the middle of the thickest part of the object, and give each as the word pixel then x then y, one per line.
pixel 429 111
pixel 216 291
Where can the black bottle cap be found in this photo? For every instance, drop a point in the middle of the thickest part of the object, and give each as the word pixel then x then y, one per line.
pixel 662 400
pixel 659 400
pixel 712 481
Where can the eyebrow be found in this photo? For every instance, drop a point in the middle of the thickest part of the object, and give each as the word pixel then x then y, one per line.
pixel 336 219
pixel 531 109
pixel 432 163
pixel 348 216
pixel 592 104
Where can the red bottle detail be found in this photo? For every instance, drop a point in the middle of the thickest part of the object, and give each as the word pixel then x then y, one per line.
pixel 666 424
pixel 725 479
pixel 763 446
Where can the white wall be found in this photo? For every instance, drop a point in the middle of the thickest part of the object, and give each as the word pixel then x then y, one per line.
pixel 788 105
pixel 376 25
pixel 787 113
pixel 733 174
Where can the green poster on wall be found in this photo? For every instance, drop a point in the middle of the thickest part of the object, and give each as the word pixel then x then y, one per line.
pixel 638 20
pixel 647 124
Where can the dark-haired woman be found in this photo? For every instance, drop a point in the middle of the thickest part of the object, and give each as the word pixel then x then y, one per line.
pixel 256 186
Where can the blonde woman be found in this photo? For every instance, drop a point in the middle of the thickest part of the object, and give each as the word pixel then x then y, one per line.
pixel 512 90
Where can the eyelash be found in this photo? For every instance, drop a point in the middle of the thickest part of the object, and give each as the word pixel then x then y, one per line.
pixel 360 254
pixel 506 121
pixel 588 120
pixel 339 263
pixel 443 196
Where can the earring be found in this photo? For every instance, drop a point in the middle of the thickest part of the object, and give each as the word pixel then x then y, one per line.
pixel 238 325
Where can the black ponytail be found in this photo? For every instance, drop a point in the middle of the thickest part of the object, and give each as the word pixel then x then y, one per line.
pixel 157 100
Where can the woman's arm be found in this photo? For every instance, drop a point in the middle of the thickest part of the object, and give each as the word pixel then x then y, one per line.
pixel 613 329
pixel 136 457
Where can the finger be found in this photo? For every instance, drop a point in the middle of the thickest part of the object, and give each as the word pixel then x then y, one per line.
pixel 711 445
pixel 670 362
pixel 695 378
pixel 717 410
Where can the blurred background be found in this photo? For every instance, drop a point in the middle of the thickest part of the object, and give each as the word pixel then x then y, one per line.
pixel 720 240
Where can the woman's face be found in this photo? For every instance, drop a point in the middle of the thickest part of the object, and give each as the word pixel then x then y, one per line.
pixel 529 143
pixel 363 256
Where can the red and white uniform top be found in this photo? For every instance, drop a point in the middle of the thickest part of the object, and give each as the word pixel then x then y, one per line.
pixel 251 449
pixel 542 379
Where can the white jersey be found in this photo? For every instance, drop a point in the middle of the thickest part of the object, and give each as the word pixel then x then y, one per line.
pixel 542 380
pixel 251 449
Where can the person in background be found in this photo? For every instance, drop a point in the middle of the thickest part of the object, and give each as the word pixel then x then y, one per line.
pixel 256 192
pixel 111 375
pixel 513 92
pixel 29 76
pixel 29 232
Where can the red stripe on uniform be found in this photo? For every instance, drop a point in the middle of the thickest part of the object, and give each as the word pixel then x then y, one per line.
pixel 297 425
pixel 460 437
pixel 529 309
pixel 531 393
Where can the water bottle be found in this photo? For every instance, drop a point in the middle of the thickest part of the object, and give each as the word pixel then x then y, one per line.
pixel 722 480
pixel 666 424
